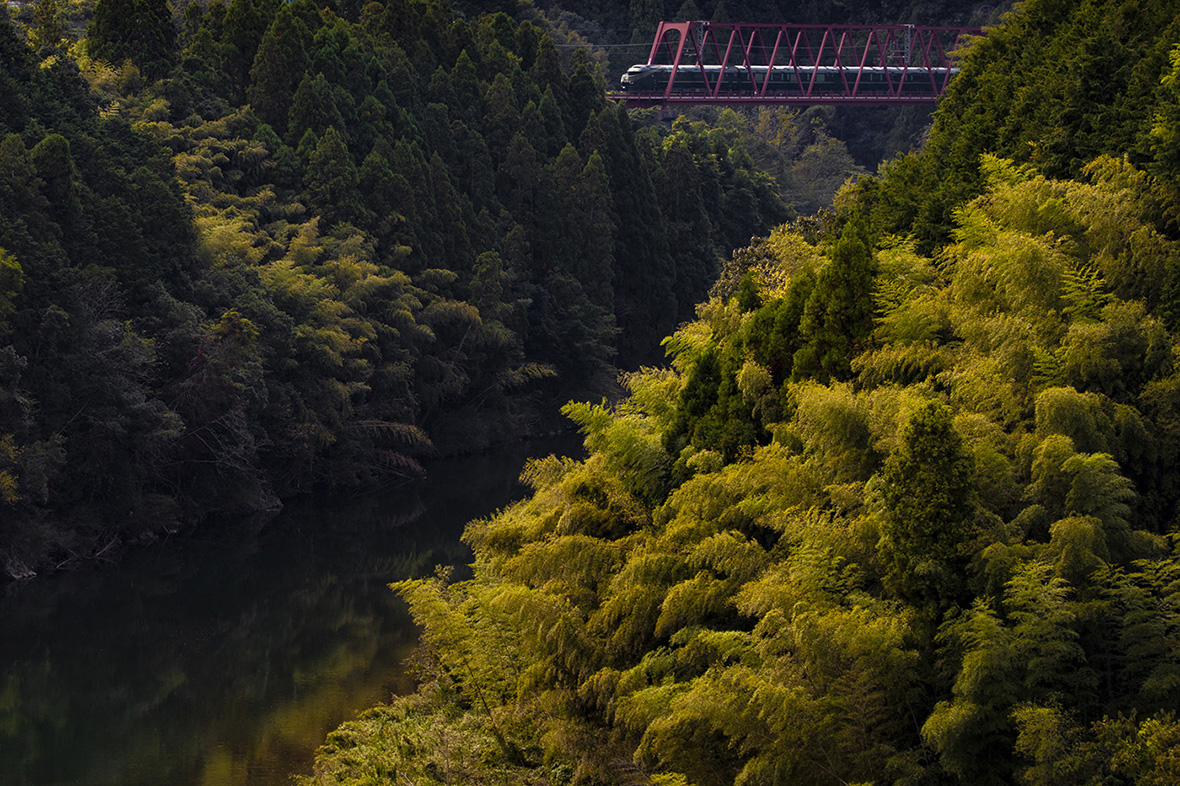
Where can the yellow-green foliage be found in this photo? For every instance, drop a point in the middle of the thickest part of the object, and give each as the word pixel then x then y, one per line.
pixel 9 485
pixel 11 283
pixel 818 609
pixel 414 741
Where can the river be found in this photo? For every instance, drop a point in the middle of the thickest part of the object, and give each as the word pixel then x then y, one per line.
pixel 223 656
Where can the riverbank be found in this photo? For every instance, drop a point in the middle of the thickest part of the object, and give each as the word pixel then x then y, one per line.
pixel 63 541
pixel 224 655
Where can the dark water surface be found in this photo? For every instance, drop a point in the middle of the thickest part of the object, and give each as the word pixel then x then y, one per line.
pixel 224 656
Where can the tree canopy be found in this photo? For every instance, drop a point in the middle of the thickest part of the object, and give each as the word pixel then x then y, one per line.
pixel 272 247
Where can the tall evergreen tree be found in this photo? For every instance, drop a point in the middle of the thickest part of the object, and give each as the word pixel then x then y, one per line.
pixel 313 108
pixel 246 22
pixel 928 501
pixel 838 317
pixel 14 70
pixel 141 31
pixel 332 180
pixel 278 67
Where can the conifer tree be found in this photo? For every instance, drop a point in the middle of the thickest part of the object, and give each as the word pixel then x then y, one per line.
pixel 332 180
pixel 25 225
pixel 313 108
pixel 110 32
pixel 595 233
pixel 838 317
pixel 546 70
pixel 55 166
pixel 246 22
pixel 554 125
pixel 141 31
pixel 278 67
pixel 927 489
pixel 14 69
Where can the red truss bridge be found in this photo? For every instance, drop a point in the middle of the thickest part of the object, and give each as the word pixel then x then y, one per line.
pixel 763 64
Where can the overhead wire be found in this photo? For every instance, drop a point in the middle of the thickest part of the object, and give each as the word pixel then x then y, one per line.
pixel 600 46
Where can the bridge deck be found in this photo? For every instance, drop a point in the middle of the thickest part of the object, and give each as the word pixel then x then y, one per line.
pixel 742 64
pixel 640 100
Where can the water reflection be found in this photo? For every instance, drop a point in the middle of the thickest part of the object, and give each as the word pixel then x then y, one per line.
pixel 224 657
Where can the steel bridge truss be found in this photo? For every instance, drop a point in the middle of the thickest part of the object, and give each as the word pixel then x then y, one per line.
pixel 736 63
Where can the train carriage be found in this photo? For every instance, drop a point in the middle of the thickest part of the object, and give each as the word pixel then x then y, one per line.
pixel 785 80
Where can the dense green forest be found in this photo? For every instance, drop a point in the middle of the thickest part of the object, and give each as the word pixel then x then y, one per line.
pixel 256 248
pixel 903 507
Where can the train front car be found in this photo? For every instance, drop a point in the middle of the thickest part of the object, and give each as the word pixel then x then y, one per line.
pixel 647 79
pixel 643 79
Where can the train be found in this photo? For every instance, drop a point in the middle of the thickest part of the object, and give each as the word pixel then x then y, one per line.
pixel 798 80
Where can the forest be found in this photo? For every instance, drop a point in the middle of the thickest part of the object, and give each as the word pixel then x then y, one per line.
pixel 900 506
pixel 272 248
pixel 883 461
